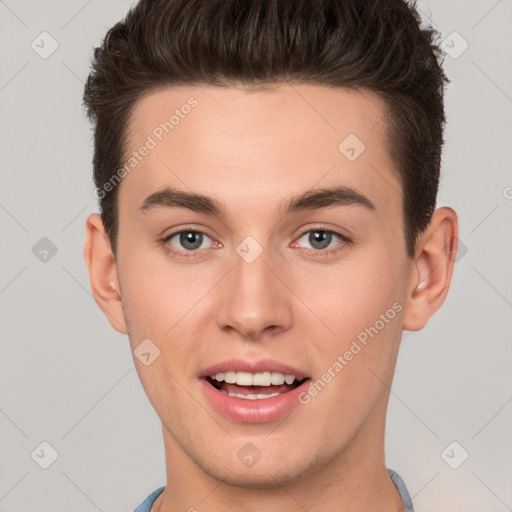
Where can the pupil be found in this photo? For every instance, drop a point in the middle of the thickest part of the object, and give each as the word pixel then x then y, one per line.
pixel 322 237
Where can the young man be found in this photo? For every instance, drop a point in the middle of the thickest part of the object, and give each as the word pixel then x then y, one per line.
pixel 267 174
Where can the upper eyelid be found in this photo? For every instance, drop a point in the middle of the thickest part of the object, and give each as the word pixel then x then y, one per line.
pixel 339 233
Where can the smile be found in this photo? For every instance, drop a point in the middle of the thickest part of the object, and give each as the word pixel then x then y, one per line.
pixel 253 396
pixel 253 386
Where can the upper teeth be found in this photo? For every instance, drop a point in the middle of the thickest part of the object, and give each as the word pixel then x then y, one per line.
pixel 254 379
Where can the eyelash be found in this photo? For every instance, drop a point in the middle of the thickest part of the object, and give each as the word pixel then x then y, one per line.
pixel 317 252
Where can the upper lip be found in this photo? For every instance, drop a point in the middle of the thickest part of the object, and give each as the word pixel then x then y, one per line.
pixel 241 365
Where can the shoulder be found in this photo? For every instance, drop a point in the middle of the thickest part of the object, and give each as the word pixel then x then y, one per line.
pixel 145 506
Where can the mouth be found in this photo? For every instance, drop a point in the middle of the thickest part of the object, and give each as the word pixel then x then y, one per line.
pixel 254 386
pixel 253 392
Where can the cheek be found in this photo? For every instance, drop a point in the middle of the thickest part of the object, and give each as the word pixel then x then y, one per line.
pixel 158 296
pixel 362 308
pixel 353 296
pixel 165 304
pixel 355 357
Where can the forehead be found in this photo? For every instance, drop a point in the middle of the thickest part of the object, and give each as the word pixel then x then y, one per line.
pixel 247 147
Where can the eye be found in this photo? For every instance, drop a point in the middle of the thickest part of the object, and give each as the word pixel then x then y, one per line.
pixel 322 239
pixel 187 240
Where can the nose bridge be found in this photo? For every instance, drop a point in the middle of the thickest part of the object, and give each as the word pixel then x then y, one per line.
pixel 252 298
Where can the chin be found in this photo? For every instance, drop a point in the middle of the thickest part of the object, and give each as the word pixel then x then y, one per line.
pixel 263 478
pixel 265 474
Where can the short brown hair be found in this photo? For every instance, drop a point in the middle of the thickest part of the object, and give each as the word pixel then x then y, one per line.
pixel 375 45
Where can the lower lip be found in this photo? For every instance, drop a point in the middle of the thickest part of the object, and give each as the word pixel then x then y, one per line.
pixel 261 410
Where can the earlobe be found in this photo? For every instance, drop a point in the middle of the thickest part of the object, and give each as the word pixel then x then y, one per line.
pixel 102 270
pixel 432 269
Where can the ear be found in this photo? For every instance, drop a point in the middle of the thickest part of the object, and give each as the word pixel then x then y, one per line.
pixel 432 269
pixel 102 269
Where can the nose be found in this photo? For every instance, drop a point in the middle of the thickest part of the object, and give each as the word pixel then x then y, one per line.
pixel 254 299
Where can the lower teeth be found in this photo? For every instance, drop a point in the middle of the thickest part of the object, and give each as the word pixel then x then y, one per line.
pixel 248 397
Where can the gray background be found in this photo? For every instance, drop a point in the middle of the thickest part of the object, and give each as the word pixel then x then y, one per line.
pixel 68 379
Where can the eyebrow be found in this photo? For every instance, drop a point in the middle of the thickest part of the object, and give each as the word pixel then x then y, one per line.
pixel 310 200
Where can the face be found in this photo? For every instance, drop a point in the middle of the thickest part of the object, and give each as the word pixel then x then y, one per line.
pixel 291 264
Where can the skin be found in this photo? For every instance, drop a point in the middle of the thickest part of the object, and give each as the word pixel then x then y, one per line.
pixel 251 151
